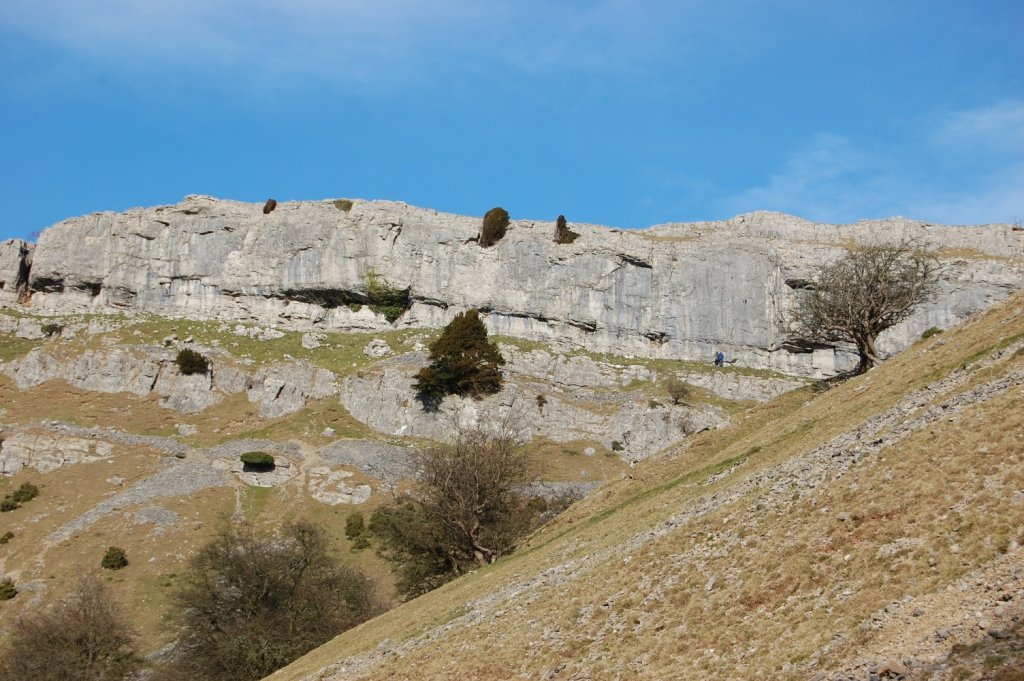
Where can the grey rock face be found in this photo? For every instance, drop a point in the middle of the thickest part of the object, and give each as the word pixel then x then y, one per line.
pixel 384 400
pixel 674 291
pixel 15 262
pixel 46 451
pixel 278 389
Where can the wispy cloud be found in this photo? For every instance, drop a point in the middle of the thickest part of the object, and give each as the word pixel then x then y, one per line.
pixel 360 41
pixel 835 178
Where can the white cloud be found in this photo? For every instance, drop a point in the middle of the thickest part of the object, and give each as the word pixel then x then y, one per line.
pixel 963 167
pixel 358 41
pixel 999 125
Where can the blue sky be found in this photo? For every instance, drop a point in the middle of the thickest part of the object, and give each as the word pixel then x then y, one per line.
pixel 613 112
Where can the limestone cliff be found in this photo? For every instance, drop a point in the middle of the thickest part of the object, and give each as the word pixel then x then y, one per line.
pixel 674 291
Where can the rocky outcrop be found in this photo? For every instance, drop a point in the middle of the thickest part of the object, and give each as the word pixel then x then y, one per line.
pixel 277 389
pixel 47 451
pixel 675 291
pixel 573 372
pixel 15 263
pixel 635 428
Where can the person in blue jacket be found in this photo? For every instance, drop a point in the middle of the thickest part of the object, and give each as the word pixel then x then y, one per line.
pixel 720 359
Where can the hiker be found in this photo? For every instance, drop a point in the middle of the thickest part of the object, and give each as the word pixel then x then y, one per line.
pixel 720 359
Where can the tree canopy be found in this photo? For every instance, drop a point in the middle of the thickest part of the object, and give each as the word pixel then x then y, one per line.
pixel 251 603
pixel 466 510
pixel 863 293
pixel 462 362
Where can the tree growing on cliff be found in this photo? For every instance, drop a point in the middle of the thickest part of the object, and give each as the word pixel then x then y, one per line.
pixel 494 226
pixel 251 603
pixel 462 362
pixel 863 293
pixel 466 510
pixel 564 235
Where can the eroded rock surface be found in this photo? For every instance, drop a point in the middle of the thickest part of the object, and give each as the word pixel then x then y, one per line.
pixel 676 291
pixel 277 389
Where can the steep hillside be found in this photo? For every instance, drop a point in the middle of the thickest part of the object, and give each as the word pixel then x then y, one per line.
pixel 871 531
pixel 678 291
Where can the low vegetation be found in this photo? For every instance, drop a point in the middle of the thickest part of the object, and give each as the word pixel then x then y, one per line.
pixel 191 362
pixel 13 500
pixel 258 459
pixel 114 559
pixel 384 299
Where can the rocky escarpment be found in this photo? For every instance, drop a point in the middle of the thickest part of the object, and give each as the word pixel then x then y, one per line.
pixel 634 426
pixel 278 389
pixel 678 291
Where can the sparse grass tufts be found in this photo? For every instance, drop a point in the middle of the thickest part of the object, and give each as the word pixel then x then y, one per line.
pixel 931 331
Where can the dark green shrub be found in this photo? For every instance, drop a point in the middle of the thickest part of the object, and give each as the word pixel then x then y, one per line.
pixel 258 459
pixel 564 235
pixel 8 504
pixel 462 362
pixel 7 589
pixel 932 331
pixel 191 362
pixel 50 330
pixel 344 205
pixel 617 446
pixel 26 492
pixel 114 559
pixel 494 227
pixel 6 537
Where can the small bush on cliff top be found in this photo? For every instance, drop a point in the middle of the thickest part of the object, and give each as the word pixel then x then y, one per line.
pixel 191 362
pixel 564 235
pixel 494 227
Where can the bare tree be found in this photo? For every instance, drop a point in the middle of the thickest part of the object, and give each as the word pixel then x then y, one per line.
pixel 863 293
pixel 467 509
pixel 83 638
pixel 677 389
pixel 251 603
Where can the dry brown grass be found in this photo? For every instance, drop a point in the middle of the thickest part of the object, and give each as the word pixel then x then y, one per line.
pixel 610 590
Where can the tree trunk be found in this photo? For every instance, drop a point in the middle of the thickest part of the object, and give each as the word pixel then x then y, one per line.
pixel 867 353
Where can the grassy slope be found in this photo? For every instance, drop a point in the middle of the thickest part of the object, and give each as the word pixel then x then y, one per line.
pixel 737 555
